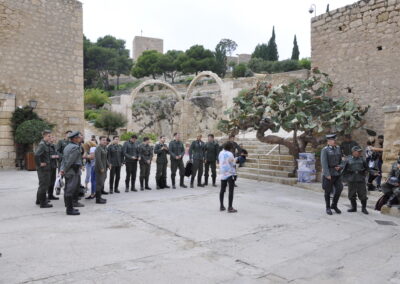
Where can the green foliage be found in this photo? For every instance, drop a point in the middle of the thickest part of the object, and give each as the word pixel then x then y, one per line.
pixel 147 64
pixel 21 115
pixel 96 98
pixel 196 59
pixel 258 65
pixel 126 136
pixel 93 114
pixel 241 70
pixel 110 121
pixel 260 52
pixel 130 85
pixel 305 63
pixel 295 51
pixel 268 52
pixel 30 131
pixel 302 105
pixel 224 47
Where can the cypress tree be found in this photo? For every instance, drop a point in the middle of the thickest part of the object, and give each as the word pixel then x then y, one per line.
pixel 272 47
pixel 295 51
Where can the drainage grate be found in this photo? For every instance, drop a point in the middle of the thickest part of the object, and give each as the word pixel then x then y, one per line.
pixel 387 223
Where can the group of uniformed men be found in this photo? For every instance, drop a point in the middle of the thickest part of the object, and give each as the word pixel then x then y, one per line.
pixel 69 156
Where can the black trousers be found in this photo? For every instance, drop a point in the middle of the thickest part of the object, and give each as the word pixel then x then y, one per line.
pixel 144 170
pixel 175 165
pixel 115 173
pixel 224 184
pixel 161 174
pixel 213 166
pixel 44 183
pixel 197 169
pixel 53 174
pixel 333 185
pixel 131 169
pixel 100 180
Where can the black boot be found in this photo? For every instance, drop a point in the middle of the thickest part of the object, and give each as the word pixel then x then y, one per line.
pixel 182 182
pixel 146 180
pixel 100 200
pixel 205 180
pixel 191 182
pixel 173 182
pixel 165 183
pixel 364 207
pixel 78 204
pixel 70 208
pixel 141 183
pixel 328 206
pixel 334 204
pixel 353 206
pixel 214 181
pixel 158 186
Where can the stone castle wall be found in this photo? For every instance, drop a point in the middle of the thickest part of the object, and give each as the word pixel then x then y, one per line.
pixel 41 58
pixel 359 47
pixel 141 43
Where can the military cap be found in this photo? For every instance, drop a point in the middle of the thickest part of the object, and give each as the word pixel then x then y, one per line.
pixel 356 149
pixel 73 134
pixel 331 136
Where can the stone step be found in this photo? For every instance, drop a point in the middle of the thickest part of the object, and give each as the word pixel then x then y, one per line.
pixel 274 179
pixel 283 157
pixel 255 165
pixel 271 162
pixel 266 172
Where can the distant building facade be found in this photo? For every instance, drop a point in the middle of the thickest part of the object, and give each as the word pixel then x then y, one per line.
pixel 141 44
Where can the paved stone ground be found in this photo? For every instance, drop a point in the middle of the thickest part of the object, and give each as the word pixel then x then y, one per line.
pixel 280 235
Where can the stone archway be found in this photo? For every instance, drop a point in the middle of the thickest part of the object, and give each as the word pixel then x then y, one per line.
pixel 198 77
pixel 153 82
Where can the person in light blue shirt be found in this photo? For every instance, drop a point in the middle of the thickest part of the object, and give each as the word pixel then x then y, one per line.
pixel 228 172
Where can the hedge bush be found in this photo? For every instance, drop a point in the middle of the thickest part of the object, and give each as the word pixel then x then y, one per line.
pixel 30 131
pixel 259 65
pixel 96 98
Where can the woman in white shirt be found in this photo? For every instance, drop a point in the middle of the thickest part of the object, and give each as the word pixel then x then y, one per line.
pixel 227 171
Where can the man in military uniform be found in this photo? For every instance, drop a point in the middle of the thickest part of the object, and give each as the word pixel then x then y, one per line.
pixel 131 153
pixel 53 168
pixel 161 150
pixel 71 168
pixel 100 167
pixel 394 189
pixel 347 145
pixel 145 155
pixel 115 158
pixel 62 143
pixel 196 155
pixel 355 169
pixel 43 166
pixel 176 152
pixel 331 158
pixel 211 157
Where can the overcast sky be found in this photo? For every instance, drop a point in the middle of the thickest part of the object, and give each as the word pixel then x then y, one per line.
pixel 183 23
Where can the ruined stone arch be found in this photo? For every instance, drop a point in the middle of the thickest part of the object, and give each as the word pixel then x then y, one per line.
pixel 198 77
pixel 152 82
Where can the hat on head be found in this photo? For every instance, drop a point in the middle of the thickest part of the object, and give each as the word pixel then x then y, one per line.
pixel 73 134
pixel 356 149
pixel 331 137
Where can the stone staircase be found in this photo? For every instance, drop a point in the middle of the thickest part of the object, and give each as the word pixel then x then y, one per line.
pixel 265 162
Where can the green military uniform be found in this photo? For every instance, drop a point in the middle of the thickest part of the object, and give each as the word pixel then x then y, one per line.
pixel 131 153
pixel 146 155
pixel 60 148
pixel 53 171
pixel 211 157
pixel 162 162
pixel 176 149
pixel 331 157
pixel 347 146
pixel 196 154
pixel 42 155
pixel 354 172
pixel 391 189
pixel 100 168
pixel 71 165
pixel 115 158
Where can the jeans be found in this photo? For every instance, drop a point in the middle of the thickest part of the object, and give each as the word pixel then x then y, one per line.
pixel 93 180
pixel 88 167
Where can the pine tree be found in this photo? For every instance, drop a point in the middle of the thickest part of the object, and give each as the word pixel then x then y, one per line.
pixel 272 48
pixel 295 51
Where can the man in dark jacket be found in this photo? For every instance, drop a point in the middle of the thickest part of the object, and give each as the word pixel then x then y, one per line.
pixel 115 158
pixel 53 168
pixel 161 150
pixel 196 155
pixel 62 143
pixel 101 165
pixel 176 153
pixel 43 166
pixel 145 158
pixel 131 153
pixel 347 145
pixel 211 150
pixel 355 169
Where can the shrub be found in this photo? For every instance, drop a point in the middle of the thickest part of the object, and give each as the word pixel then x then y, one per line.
pixel 93 114
pixel 110 121
pixel 305 63
pixel 241 70
pixel 21 115
pixel 30 131
pixel 96 98
pixel 126 136
pixel 262 66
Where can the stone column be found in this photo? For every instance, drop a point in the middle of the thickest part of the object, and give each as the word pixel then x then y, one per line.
pixel 7 149
pixel 391 145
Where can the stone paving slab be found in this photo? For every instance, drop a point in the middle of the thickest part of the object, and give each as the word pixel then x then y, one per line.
pixel 280 235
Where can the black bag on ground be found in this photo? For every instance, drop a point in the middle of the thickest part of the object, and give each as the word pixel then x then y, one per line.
pixel 188 169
